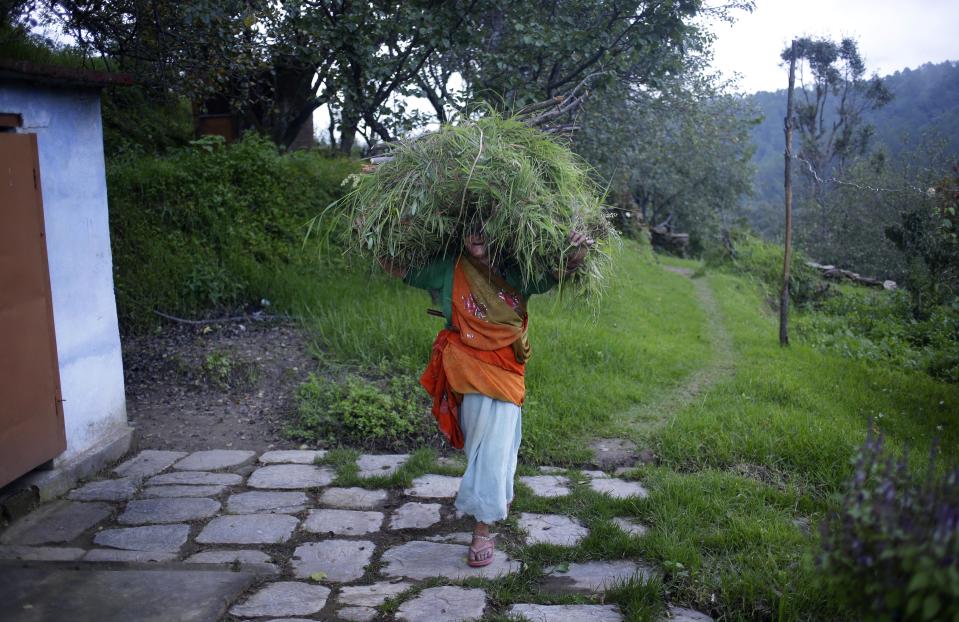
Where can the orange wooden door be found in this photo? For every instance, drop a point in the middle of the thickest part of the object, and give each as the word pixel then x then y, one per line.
pixel 31 413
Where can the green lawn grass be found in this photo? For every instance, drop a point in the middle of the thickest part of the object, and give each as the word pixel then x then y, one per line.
pixel 586 368
pixel 768 447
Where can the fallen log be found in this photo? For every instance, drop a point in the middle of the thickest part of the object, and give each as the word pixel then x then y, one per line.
pixel 839 274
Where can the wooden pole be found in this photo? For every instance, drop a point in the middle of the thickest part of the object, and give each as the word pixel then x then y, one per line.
pixel 788 187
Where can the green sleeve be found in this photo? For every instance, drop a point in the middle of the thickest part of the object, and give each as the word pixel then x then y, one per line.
pixel 431 276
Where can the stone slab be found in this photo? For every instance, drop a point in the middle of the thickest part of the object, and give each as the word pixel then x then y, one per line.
pixel 357 614
pixel 215 459
pixel 566 613
pixel 371 465
pixel 245 559
pixel 459 537
pixel 184 490
pixel 552 529
pixel 290 476
pixel 612 452
pixel 100 595
pixel 40 553
pixel 457 461
pixel 58 521
pixel 353 498
pixel 175 510
pixel 106 490
pixel 419 559
pixel 265 502
pixel 118 555
pixel 618 488
pixel 682 614
pixel 593 577
pixel 196 478
pixel 243 556
pixel 340 560
pixel 147 463
pixel 594 474
pixel 414 515
pixel 168 538
pixel 431 485
pixel 284 598
pixel 551 470
pixel 444 604
pixel 343 522
pixel 631 526
pixel 371 595
pixel 547 485
pixel 292 456
pixel 248 529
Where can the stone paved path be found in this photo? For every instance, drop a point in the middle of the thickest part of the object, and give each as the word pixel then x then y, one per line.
pixel 232 535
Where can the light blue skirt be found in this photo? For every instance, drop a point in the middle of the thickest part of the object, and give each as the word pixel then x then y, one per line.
pixel 492 431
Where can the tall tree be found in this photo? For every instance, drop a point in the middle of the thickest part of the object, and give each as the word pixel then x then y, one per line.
pixel 276 62
pixel 833 94
pixel 788 195
pixel 682 150
pixel 380 49
pixel 523 52
pixel 262 57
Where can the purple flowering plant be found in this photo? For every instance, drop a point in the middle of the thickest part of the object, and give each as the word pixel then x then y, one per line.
pixel 892 548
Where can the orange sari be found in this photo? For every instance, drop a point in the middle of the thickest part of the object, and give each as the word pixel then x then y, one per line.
pixel 484 352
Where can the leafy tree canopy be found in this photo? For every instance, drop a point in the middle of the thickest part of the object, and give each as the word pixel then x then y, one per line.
pixel 276 62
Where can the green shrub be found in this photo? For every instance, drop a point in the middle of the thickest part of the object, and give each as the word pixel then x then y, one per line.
pixel 879 326
pixel 140 119
pixel 892 550
pixel 193 231
pixel 390 414
pixel 764 261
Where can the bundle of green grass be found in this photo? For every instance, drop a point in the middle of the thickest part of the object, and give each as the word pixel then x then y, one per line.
pixel 527 191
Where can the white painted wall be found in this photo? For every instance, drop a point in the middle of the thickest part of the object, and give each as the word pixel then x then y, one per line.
pixel 70 140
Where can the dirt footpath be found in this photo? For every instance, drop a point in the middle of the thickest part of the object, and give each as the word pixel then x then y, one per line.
pixel 229 385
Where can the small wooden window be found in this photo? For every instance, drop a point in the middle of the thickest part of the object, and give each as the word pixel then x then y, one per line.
pixel 10 121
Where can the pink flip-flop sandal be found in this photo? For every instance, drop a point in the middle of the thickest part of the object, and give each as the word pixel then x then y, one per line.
pixel 488 544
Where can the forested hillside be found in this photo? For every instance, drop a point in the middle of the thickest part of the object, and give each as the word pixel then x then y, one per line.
pixel 925 104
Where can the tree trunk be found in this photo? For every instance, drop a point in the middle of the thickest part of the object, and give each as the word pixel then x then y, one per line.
pixel 349 123
pixel 788 188
pixel 294 99
pixel 331 127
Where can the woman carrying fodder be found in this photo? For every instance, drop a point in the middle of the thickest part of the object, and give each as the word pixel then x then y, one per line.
pixel 483 214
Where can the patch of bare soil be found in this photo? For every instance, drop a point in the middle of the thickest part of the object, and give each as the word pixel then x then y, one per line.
pixel 228 385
